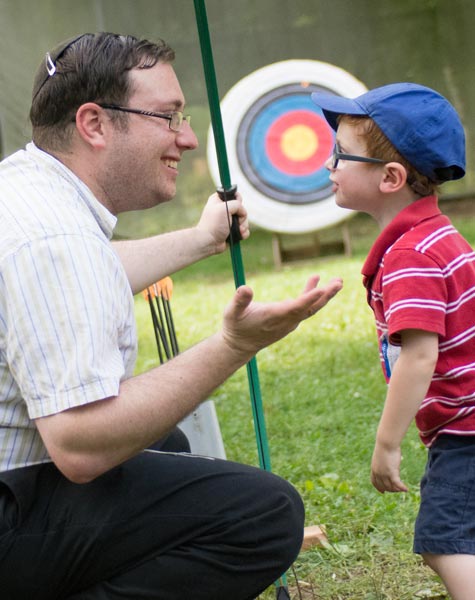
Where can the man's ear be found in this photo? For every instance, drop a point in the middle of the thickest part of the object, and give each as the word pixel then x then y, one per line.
pixel 91 124
pixel 394 178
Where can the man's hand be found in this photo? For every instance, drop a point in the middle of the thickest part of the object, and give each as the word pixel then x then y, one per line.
pixel 385 467
pixel 216 217
pixel 149 259
pixel 250 326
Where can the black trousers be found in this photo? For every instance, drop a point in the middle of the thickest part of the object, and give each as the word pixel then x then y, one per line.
pixel 162 525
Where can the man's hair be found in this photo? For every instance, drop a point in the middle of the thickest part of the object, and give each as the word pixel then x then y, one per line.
pixel 89 68
pixel 379 146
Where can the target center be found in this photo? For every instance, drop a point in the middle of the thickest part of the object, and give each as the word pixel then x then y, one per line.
pixel 299 142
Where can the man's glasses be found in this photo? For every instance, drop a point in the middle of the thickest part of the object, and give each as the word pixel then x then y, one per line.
pixel 339 155
pixel 175 119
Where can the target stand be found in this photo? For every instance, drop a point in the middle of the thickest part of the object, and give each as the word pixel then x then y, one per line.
pixel 278 142
pixel 285 248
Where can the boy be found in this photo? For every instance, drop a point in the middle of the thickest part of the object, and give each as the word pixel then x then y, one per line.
pixel 394 145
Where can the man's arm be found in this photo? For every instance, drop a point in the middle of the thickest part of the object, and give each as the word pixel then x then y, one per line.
pixel 149 260
pixel 407 388
pixel 87 441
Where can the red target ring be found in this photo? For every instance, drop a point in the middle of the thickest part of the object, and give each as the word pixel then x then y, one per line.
pixel 297 143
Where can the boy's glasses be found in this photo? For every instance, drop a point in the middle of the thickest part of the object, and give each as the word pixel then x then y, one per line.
pixel 339 155
pixel 175 119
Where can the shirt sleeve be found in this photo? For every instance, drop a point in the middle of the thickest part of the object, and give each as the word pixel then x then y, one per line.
pixel 66 322
pixel 414 293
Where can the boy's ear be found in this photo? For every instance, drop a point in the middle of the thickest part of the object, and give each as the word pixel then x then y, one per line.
pixel 90 124
pixel 394 178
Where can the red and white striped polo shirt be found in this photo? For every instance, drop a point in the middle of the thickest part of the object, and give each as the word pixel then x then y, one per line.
pixel 420 274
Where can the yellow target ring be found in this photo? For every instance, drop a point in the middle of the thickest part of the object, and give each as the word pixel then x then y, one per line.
pixel 299 142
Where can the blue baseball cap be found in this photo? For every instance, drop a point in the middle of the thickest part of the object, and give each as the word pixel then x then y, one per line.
pixel 420 123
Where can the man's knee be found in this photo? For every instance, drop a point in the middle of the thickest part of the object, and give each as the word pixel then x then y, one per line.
pixel 285 517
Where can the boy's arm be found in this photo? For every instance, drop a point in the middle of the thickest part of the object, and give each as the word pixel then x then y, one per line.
pixel 407 388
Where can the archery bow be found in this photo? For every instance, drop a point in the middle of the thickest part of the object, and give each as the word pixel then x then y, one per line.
pixel 227 192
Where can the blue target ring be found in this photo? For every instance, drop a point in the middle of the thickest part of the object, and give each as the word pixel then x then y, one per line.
pixel 253 151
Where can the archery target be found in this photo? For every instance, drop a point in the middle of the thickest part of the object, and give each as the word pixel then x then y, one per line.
pixel 278 141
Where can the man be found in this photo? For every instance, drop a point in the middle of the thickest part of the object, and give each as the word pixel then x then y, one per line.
pixel 85 512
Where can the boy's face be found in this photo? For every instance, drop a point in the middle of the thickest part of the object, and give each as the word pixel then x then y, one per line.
pixel 355 184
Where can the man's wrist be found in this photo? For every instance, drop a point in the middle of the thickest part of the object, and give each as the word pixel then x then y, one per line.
pixel 240 355
pixel 206 243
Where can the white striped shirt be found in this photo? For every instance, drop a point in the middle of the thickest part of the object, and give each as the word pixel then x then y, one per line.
pixel 67 329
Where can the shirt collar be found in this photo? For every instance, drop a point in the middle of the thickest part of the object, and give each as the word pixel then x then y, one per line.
pixel 105 219
pixel 409 217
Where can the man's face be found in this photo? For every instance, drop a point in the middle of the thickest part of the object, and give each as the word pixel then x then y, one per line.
pixel 143 158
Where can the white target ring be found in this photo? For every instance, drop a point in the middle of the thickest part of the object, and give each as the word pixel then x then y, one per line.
pixel 277 141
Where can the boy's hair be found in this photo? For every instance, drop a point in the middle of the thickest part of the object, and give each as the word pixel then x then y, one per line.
pixel 419 122
pixel 87 68
pixel 379 146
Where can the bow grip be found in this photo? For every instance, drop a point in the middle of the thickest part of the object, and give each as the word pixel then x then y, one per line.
pixel 225 195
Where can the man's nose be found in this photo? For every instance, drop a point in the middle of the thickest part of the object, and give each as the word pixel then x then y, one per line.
pixel 186 137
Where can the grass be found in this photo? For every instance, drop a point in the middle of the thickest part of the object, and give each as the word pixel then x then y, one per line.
pixel 323 392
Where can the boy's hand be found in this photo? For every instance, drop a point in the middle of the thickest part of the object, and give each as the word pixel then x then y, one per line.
pixel 385 470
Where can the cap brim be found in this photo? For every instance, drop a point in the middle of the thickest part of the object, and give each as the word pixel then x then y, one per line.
pixel 334 106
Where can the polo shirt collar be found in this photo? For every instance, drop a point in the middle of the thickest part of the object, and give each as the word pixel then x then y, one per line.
pixel 409 217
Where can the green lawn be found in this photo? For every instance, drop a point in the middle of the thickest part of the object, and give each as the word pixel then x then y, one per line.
pixel 322 390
